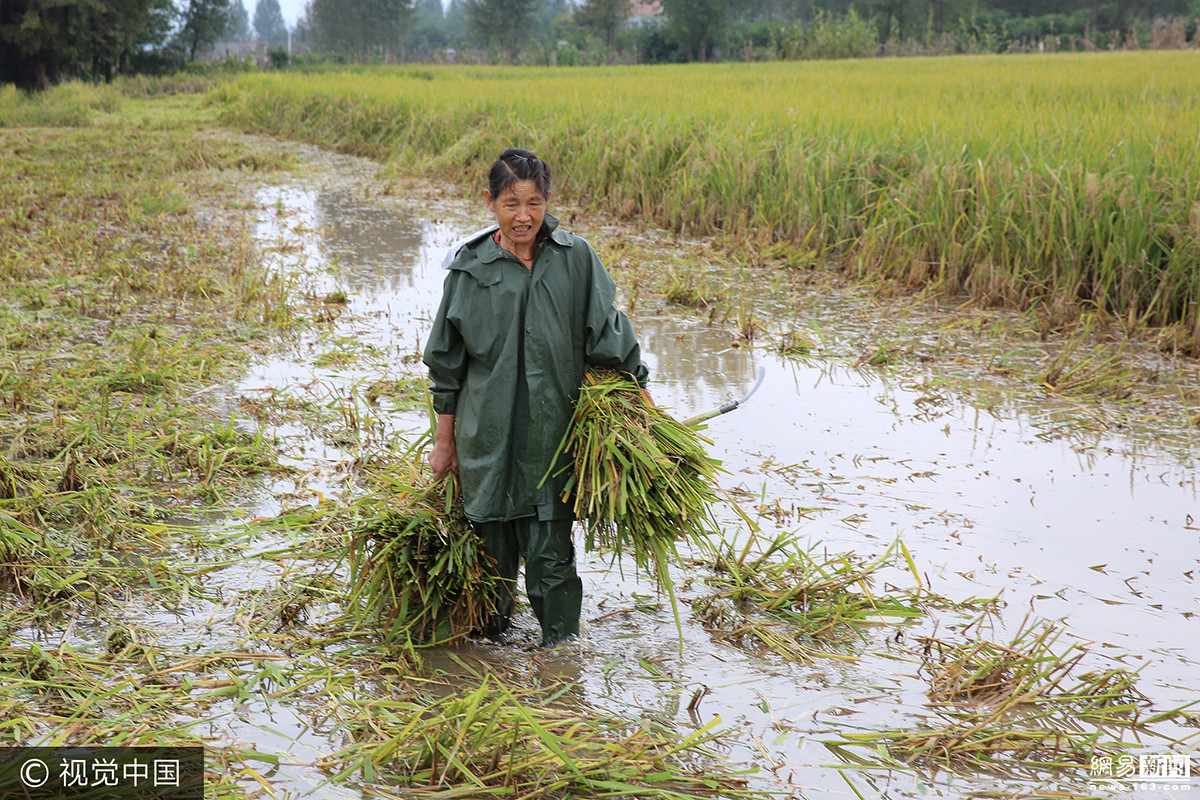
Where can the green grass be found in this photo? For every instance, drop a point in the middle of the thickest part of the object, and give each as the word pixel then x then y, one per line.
pixel 69 105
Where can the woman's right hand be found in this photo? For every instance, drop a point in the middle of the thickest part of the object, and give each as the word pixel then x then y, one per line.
pixel 443 458
pixel 444 455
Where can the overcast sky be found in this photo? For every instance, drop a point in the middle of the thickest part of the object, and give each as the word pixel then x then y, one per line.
pixel 292 9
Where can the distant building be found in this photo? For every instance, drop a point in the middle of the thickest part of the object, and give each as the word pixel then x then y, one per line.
pixel 645 12
pixel 239 49
pixel 255 50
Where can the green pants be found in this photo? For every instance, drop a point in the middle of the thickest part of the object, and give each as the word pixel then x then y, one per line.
pixel 554 589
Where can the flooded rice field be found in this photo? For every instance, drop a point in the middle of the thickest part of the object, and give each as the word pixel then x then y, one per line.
pixel 1020 514
pixel 996 493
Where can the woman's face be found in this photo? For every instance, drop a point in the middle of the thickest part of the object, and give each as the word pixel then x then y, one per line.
pixel 519 211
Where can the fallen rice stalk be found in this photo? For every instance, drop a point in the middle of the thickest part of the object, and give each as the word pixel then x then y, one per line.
pixel 1026 673
pixel 490 742
pixel 1009 708
pixel 811 604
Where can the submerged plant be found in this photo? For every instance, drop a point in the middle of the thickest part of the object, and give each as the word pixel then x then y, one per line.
pixel 491 742
pixel 31 564
pixel 887 354
pixel 1009 708
pixel 811 605
pixel 793 342
pixel 688 288
pixel 996 748
pixel 1098 372
pixel 1027 671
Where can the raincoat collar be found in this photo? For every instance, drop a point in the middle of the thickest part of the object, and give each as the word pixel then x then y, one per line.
pixel 487 251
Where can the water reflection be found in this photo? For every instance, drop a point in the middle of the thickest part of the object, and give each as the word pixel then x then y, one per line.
pixel 380 245
pixel 693 363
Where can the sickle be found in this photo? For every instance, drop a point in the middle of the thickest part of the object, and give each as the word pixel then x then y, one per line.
pixel 725 408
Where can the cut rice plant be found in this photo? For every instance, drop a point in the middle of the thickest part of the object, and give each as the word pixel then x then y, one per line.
pixel 642 480
pixel 418 568
pixel 1012 708
pixel 1027 674
pixel 490 742
pixel 812 606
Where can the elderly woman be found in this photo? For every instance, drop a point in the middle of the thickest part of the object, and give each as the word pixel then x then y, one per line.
pixel 526 307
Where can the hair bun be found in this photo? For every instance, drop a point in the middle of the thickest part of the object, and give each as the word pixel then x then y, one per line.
pixel 516 164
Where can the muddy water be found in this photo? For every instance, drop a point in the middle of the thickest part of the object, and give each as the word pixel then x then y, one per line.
pixel 1096 529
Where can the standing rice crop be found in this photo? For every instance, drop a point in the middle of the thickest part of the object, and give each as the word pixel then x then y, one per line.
pixel 1065 182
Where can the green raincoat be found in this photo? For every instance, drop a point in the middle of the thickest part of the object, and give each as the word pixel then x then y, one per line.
pixel 507 356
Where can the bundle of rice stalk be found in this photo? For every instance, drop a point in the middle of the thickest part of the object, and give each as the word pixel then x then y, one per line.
pixel 642 480
pixel 418 567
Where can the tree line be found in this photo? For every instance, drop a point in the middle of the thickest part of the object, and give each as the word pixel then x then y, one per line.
pixel 609 31
pixel 45 41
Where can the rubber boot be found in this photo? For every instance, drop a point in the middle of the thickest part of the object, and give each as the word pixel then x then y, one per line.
pixel 501 543
pixel 551 583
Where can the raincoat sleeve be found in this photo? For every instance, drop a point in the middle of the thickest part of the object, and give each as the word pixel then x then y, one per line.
pixel 445 355
pixel 611 341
